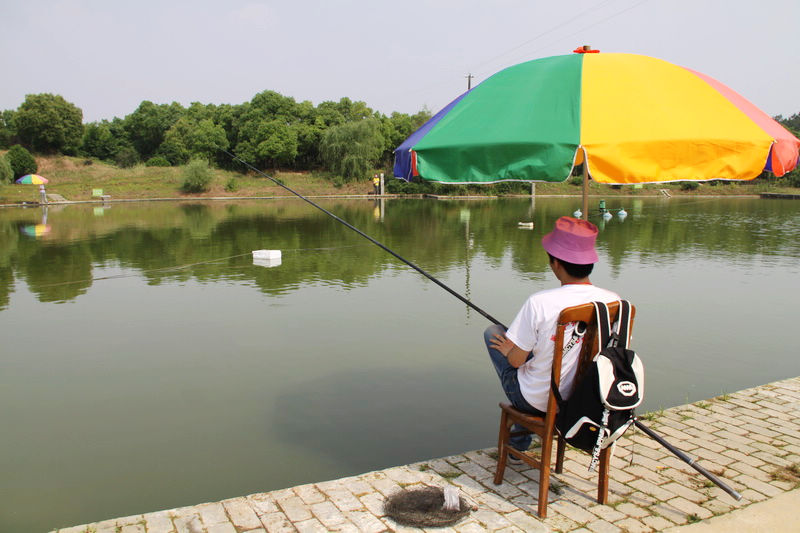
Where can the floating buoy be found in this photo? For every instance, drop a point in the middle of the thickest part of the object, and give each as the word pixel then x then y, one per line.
pixel 607 215
pixel 266 254
pixel 267 258
pixel 622 213
pixel 577 213
pixel 525 225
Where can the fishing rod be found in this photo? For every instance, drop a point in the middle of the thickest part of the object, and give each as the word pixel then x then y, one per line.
pixel 686 459
pixel 401 258
pixel 652 434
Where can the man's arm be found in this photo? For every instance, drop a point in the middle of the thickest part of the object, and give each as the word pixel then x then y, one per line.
pixel 516 356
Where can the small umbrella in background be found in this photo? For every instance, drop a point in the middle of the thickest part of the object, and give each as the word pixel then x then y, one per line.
pixel 36 179
pixel 32 179
pixel 630 118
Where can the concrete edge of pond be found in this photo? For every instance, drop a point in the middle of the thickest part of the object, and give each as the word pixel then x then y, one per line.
pixel 751 439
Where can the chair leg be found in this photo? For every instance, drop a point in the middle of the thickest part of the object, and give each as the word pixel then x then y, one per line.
pixel 502 452
pixel 602 482
pixel 544 476
pixel 561 447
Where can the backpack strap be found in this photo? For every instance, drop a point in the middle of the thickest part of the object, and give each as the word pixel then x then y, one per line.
pixel 577 334
pixel 603 325
pixel 624 324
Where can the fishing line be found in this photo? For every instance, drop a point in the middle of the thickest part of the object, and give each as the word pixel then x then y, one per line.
pixel 658 438
pixel 398 256
pixel 181 267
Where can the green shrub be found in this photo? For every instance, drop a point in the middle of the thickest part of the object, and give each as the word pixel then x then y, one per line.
pixel 576 180
pixel 197 176
pixel 126 158
pixel 398 186
pixel 21 161
pixel 6 172
pixel 792 179
pixel 689 185
pixel 157 161
pixel 511 187
pixel 232 185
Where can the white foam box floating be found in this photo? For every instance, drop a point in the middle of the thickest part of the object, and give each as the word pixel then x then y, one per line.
pixel 266 254
pixel 267 258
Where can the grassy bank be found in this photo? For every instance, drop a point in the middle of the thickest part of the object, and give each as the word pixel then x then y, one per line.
pixel 75 178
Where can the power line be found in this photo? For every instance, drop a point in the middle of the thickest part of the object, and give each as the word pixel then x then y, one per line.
pixel 546 32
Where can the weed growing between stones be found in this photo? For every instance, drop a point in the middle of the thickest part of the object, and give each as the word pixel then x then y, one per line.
pixel 789 473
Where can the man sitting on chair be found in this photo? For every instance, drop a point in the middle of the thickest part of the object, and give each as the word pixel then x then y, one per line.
pixel 523 355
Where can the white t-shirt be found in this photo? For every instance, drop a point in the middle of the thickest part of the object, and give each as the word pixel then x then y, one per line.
pixel 534 330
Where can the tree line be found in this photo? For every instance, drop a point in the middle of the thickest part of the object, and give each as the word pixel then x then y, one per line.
pixel 346 138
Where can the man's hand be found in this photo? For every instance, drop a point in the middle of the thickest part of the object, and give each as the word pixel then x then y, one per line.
pixel 515 355
pixel 502 344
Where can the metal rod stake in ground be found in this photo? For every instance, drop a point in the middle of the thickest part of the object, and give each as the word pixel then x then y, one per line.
pixel 688 460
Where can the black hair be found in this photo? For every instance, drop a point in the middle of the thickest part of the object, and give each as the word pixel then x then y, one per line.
pixel 573 269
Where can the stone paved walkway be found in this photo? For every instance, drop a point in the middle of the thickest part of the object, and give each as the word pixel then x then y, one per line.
pixel 750 438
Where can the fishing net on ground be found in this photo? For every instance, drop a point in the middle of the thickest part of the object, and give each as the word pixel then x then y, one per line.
pixel 422 507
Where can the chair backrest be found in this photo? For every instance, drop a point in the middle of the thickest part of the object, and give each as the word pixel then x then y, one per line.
pixel 589 346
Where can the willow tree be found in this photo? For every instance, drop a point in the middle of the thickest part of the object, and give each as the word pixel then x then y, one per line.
pixel 352 149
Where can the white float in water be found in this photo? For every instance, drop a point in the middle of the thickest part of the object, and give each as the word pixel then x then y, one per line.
pixel 577 213
pixel 267 258
pixel 622 213
pixel 266 254
pixel 525 225
pixel 607 215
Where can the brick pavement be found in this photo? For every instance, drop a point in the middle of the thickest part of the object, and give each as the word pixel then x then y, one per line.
pixel 751 439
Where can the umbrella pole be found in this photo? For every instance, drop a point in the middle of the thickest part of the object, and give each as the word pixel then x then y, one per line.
pixel 373 241
pixel 686 459
pixel 585 209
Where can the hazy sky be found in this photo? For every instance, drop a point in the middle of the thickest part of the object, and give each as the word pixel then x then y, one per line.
pixel 107 56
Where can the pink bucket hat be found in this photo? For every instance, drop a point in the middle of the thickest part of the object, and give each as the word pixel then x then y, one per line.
pixel 572 240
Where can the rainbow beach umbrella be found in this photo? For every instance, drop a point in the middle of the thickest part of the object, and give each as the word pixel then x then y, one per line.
pixel 32 179
pixel 631 118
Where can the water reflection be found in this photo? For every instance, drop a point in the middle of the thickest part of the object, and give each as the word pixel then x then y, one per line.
pixel 208 241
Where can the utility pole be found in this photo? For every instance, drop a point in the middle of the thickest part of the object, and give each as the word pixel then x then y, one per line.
pixel 469 80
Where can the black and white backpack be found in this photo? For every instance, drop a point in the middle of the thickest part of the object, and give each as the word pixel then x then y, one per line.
pixel 602 402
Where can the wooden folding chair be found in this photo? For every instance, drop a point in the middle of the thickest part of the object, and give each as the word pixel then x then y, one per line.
pixel 544 427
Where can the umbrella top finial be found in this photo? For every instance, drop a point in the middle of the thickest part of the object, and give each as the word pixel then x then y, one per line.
pixel 585 49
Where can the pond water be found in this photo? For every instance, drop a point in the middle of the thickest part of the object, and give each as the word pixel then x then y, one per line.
pixel 147 363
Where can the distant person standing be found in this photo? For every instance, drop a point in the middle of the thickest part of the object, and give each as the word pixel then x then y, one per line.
pixel 376 182
pixel 42 194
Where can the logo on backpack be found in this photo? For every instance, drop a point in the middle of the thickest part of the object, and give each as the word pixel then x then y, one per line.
pixel 626 388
